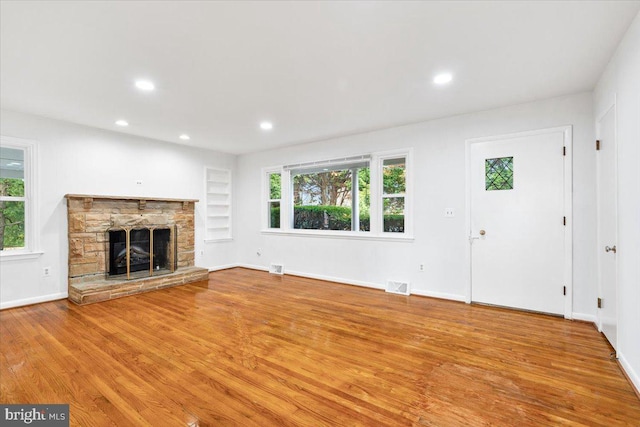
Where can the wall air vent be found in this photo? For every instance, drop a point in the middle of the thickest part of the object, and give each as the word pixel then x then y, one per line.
pixel 276 269
pixel 396 287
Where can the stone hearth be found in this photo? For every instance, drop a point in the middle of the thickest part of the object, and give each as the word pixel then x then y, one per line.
pixel 91 217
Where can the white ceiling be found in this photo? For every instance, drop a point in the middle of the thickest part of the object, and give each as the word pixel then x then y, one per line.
pixel 315 69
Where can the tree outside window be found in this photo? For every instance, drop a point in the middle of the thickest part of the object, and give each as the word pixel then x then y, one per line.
pixel 335 198
pixel 275 195
pixel 393 194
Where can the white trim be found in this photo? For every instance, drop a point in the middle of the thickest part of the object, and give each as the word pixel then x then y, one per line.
pixel 334 234
pixel 568 230
pixel 337 280
pixel 19 255
pixel 319 277
pixel 33 300
pixel 371 285
pixel 223 267
pixel 585 317
pixel 628 369
pixel 439 295
pixel 567 132
pixel 225 239
pixel 253 267
pixel 599 243
pixel 330 163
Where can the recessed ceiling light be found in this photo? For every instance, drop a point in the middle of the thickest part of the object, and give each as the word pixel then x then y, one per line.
pixel 443 78
pixel 122 123
pixel 266 125
pixel 145 85
pixel 185 137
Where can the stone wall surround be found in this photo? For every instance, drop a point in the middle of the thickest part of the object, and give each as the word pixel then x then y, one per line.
pixel 89 219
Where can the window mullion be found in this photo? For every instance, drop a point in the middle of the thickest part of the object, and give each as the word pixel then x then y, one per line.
pixel 13 198
pixel 355 205
pixel 375 208
pixel 286 201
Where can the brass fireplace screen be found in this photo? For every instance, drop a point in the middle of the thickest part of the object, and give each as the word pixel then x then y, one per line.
pixel 141 252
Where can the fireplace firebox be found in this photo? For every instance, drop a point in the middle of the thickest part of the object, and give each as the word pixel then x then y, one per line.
pixel 141 252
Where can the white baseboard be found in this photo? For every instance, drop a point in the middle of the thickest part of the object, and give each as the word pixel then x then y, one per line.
pixel 336 280
pixel 223 267
pixel 440 295
pixel 631 373
pixel 253 267
pixel 585 317
pixel 34 300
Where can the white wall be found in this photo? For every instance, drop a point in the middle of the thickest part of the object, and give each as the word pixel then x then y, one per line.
pixel 77 159
pixel 439 182
pixel 81 160
pixel 621 81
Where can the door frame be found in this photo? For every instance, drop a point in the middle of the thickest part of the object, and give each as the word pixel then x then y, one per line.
pixel 612 105
pixel 567 134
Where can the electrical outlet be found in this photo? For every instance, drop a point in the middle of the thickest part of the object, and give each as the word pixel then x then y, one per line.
pixel 139 182
pixel 449 212
pixel 259 252
pixel 46 271
pixel 421 267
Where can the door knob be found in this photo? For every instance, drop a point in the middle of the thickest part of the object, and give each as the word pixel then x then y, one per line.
pixel 482 232
pixel 610 249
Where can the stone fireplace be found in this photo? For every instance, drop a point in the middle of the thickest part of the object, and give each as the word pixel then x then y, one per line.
pixel 121 246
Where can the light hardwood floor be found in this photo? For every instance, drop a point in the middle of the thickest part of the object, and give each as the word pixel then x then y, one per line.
pixel 251 349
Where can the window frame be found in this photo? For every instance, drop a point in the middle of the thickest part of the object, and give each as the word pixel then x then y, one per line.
pixel 266 217
pixel 353 167
pixel 31 247
pixel 376 232
pixel 408 217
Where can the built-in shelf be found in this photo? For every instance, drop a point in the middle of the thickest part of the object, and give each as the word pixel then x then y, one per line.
pixel 218 219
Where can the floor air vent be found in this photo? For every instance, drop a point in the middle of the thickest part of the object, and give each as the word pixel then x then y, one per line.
pixel 276 269
pixel 401 288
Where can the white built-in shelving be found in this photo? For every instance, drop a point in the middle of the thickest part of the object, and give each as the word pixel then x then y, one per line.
pixel 218 220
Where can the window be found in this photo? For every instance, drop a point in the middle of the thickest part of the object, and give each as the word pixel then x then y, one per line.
pixel 394 186
pixel 275 194
pixel 365 196
pixel 17 230
pixel 499 174
pixel 218 221
pixel 332 197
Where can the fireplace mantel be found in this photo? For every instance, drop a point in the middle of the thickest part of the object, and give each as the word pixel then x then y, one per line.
pixel 91 216
pixel 87 199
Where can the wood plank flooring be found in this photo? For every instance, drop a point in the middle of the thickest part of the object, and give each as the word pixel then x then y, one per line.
pixel 251 349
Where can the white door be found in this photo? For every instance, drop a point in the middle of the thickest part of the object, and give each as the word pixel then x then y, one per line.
pixel 607 225
pixel 517 227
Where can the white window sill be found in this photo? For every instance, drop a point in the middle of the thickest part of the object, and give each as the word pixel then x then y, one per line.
pixel 331 234
pixel 19 255
pixel 225 239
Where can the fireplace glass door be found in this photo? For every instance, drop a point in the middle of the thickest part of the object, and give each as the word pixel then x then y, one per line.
pixel 139 252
